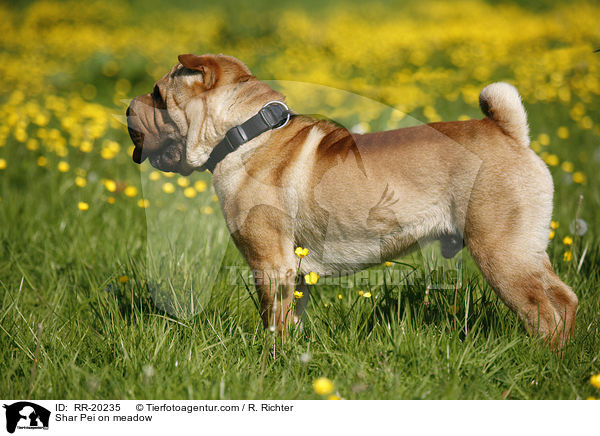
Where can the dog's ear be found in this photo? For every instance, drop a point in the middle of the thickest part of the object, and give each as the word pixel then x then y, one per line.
pixel 206 64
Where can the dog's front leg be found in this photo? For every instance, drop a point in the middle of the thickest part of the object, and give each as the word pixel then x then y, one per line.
pixel 275 286
pixel 265 241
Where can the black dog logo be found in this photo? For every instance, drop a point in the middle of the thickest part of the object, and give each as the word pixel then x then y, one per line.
pixel 27 414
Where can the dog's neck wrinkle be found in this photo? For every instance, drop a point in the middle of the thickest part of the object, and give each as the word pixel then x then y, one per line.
pixel 230 117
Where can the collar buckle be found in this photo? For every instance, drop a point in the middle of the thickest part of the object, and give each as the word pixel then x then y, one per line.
pixel 283 109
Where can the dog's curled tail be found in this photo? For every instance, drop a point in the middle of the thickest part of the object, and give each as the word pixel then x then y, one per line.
pixel 501 102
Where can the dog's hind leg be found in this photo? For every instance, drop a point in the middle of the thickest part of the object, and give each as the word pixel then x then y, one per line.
pixel 524 280
pixel 562 298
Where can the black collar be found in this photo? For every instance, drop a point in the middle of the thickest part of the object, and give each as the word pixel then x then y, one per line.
pixel 273 115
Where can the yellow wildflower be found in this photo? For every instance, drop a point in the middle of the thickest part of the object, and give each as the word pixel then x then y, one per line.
pixel 552 234
pixel 311 278
pixel 298 294
pixel 32 144
pixel 567 240
pixel 168 188
pixel 130 191
pixel 154 176
pixel 333 397
pixel 110 185
pixel 301 252
pixel 323 386
pixel 82 205
pixel 183 182
pixel 579 177
pixel 2 164
pixel 552 160
pixel 189 192
pixel 111 200
pixel 123 279
pixel 568 256
pixel 367 295
pixel 563 132
pixel 595 380
pixel 567 167
pixel 200 186
pixel 361 293
pixel 340 296
pixel 80 181
pixel 214 198
pixel 208 210
pixel 63 166
pixel 388 264
pixel 86 146
pixel 544 139
pixel 143 203
pixel 554 224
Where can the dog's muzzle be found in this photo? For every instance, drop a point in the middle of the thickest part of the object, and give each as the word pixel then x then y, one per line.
pixel 151 132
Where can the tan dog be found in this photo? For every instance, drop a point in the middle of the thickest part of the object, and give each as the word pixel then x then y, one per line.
pixel 357 200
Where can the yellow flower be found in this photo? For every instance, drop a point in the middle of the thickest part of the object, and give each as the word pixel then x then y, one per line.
pixel 544 139
pixel 333 397
pixel 110 185
pixel 301 252
pixel 590 398
pixel 32 144
pixel 111 200
pixel 563 132
pixel 552 160
pixel 568 256
pixel 80 181
pixel 168 188
pixel 143 203
pixel 595 380
pixel 311 278
pixel 63 166
pixel 208 210
pixel 2 164
pixel 552 234
pixel 131 191
pixel 183 182
pixel 323 386
pixel 86 146
pixel 189 192
pixel 567 167
pixel 200 186
pixel 579 177
pixel 367 295
pixel 340 296
pixel 123 279
pixel 82 205
pixel 567 240
pixel 298 294
pixel 214 198
pixel 388 264
pixel 554 224
pixel 361 293
pixel 154 176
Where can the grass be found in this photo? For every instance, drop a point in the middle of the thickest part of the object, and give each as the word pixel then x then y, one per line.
pixel 124 302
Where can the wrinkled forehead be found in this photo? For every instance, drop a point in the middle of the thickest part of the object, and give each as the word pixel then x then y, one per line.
pixel 170 75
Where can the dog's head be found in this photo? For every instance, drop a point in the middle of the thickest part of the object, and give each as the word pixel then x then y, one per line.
pixel 190 109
